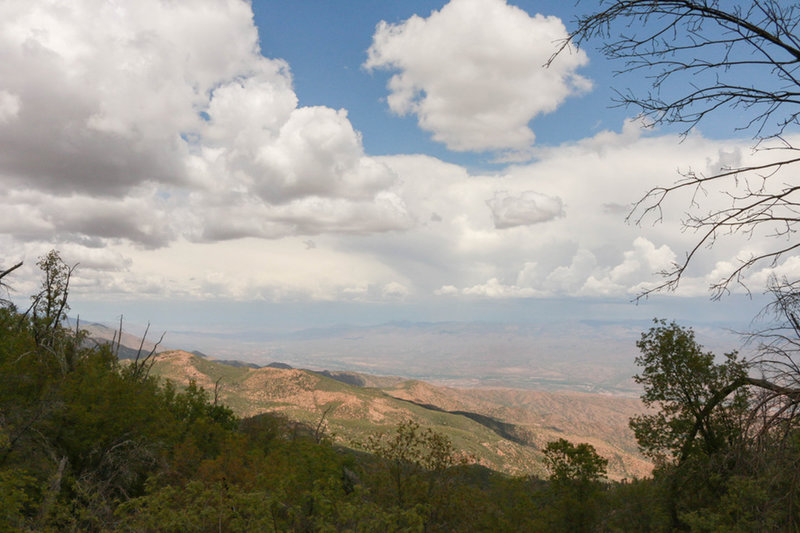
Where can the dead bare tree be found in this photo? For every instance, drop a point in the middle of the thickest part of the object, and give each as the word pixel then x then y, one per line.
pixel 217 390
pixel 705 58
pixel 322 425
pixel 141 364
pixel 776 409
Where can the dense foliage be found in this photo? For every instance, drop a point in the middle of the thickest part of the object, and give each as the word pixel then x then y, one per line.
pixel 90 444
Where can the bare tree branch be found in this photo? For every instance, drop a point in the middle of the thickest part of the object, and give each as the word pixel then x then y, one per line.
pixel 706 57
pixel 4 273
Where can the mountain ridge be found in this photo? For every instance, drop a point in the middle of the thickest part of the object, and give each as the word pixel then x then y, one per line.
pixel 487 424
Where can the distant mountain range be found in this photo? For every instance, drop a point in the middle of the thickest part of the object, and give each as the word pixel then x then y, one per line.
pixel 590 356
pixel 581 355
pixel 504 429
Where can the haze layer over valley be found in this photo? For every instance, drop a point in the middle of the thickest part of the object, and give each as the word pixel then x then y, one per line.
pixel 590 356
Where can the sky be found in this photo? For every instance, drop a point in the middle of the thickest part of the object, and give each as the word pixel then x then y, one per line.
pixel 287 164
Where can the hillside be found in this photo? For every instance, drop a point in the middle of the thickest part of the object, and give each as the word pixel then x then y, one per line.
pixel 542 416
pixel 502 428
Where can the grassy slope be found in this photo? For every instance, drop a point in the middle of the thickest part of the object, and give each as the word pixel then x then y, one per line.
pixel 355 412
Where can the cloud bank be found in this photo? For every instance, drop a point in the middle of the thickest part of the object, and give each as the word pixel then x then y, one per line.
pixel 155 145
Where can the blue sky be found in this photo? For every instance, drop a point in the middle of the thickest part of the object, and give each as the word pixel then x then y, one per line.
pixel 307 163
pixel 326 43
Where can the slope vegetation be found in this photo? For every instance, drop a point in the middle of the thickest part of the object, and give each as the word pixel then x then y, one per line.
pixel 503 429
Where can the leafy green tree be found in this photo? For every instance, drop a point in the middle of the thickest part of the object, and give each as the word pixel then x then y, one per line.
pixel 570 462
pixel 408 452
pixel 690 394
pixel 50 307
pixel 36 355
pixel 418 466
pixel 575 475
pixel 698 416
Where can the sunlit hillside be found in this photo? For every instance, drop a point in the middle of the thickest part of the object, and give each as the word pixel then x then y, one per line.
pixel 504 429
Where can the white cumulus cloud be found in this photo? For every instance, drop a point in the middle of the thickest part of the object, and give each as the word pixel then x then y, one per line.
pixel 473 72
